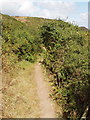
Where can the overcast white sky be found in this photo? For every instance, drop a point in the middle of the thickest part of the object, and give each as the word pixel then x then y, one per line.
pixel 76 11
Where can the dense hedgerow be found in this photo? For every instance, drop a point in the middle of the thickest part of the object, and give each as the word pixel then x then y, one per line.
pixel 67 58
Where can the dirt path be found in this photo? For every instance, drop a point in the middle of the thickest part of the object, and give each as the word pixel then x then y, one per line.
pixel 28 94
pixel 46 105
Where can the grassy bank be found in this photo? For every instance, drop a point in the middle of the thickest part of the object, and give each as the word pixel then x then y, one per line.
pixel 20 97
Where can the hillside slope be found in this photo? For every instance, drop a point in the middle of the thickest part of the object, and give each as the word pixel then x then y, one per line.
pixel 65 54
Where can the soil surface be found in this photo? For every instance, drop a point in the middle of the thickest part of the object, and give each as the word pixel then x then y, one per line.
pixel 46 105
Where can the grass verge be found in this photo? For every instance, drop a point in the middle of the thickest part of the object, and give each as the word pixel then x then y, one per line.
pixel 20 98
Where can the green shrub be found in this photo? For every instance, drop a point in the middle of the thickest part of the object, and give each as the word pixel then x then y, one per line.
pixel 67 58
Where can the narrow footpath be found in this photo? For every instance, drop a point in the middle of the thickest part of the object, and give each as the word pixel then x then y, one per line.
pixel 46 105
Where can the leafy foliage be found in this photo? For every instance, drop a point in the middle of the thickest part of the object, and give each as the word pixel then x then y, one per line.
pixel 18 40
pixel 67 58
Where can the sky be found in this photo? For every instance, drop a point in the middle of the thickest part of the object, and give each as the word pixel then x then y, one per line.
pixel 75 11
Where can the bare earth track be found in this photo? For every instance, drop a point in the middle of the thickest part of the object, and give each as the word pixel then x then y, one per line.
pixel 46 106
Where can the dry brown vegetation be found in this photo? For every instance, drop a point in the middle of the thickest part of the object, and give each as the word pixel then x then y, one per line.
pixel 20 97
